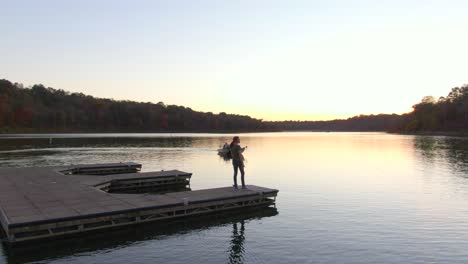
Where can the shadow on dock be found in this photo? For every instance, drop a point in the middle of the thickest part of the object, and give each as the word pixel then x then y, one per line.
pixel 34 251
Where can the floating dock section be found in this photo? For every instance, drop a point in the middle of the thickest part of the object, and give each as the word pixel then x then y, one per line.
pixel 45 202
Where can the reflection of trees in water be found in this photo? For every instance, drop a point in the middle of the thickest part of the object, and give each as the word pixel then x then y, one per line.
pixel 39 151
pixel 96 142
pixel 427 146
pixel 237 243
pixel 450 150
pixel 139 140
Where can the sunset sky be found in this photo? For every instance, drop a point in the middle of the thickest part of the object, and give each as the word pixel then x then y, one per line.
pixel 276 60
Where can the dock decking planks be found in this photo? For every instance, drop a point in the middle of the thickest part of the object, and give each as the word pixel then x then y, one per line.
pixel 43 202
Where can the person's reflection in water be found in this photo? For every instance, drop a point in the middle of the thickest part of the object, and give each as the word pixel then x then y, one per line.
pixel 237 244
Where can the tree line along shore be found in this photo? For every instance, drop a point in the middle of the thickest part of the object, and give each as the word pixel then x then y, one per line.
pixel 40 109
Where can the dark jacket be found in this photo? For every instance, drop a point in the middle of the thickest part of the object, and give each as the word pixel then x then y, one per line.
pixel 236 154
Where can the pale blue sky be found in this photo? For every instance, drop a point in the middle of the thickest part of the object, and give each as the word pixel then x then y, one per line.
pixel 268 59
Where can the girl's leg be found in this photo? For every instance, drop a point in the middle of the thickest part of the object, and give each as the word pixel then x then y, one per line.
pixel 235 174
pixel 241 168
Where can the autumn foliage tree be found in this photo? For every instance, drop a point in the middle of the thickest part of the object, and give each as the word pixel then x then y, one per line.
pixel 42 109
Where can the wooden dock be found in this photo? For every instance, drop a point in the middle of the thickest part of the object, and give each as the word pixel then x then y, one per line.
pixel 44 202
pixel 91 242
pixel 102 169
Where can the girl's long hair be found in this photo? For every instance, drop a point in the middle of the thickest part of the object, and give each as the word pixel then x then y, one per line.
pixel 234 139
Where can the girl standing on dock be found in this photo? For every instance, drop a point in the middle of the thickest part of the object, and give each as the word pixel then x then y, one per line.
pixel 237 160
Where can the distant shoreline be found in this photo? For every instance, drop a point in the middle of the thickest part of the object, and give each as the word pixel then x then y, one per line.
pixel 434 133
pixel 420 133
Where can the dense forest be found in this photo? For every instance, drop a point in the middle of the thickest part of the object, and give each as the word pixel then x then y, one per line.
pixel 445 114
pixel 41 109
pixel 38 109
pixel 382 122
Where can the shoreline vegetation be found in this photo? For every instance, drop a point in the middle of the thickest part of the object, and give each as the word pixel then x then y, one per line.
pixel 39 109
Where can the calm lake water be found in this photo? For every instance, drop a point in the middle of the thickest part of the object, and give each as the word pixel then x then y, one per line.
pixel 344 198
